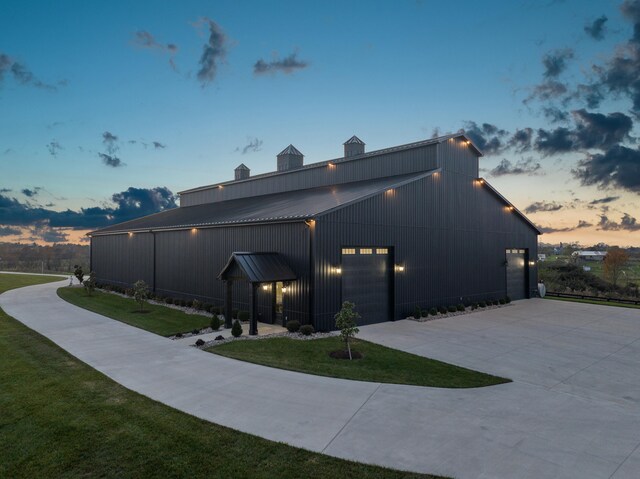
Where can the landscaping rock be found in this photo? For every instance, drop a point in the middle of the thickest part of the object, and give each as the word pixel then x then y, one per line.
pixel 199 342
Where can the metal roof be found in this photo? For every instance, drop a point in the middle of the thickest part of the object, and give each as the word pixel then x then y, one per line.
pixel 260 267
pixel 342 159
pixel 354 139
pixel 290 150
pixel 242 166
pixel 276 207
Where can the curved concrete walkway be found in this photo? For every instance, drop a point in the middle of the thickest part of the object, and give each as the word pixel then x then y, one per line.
pixel 522 429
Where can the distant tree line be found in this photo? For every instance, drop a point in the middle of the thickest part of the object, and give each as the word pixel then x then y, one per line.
pixel 33 258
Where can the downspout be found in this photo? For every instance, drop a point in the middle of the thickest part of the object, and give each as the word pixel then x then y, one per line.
pixel 311 224
pixel 153 286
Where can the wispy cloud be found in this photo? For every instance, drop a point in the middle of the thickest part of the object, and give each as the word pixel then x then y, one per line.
pixel 145 40
pixel 286 65
pixel 22 74
pixel 522 167
pixel 112 161
pixel 597 28
pixel 253 145
pixel 54 147
pixel 213 52
pixel 543 206
pixel 627 223
pixel 581 224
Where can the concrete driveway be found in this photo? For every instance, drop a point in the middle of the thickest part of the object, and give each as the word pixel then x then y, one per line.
pixel 571 412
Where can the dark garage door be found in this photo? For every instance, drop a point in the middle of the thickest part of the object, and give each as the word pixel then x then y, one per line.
pixel 366 281
pixel 516 273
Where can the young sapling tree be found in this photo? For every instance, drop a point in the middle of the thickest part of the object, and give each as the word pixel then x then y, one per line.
pixel 346 323
pixel 140 293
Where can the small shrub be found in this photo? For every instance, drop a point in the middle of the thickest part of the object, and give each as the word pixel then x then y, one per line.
pixel 129 292
pixel 168 300
pixel 189 304
pixel 307 329
pixel 243 315
pixel 78 273
pixel 502 301
pixel 214 310
pixel 424 312
pixel 219 338
pixel 196 305
pixel 293 326
pixel 507 299
pixel 199 342
pixel 417 312
pixel 206 307
pixel 234 313
pixel 442 310
pixel 90 284
pixel 181 302
pixel 215 322
pixel 178 335
pixel 452 309
pixel 195 331
pixel 483 304
pixel 460 307
pixel 433 311
pixel 236 329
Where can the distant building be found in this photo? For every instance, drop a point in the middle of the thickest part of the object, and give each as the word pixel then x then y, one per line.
pixel 589 255
pixel 392 229
pixel 542 257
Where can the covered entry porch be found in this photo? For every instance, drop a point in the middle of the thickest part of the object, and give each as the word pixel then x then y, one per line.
pixel 267 270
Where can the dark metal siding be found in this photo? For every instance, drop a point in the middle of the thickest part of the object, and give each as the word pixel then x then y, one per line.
pixel 390 164
pixel 188 263
pixel 458 157
pixel 448 232
pixel 123 259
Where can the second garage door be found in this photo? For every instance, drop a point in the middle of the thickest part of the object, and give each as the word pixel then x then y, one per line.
pixel 516 273
pixel 366 282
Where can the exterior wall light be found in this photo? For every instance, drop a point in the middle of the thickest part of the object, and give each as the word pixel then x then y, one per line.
pixel 130 234
pixel 399 268
pixel 337 270
pixel 331 166
pixel 532 263
pixel 284 289
pixel 194 230
pixel 265 287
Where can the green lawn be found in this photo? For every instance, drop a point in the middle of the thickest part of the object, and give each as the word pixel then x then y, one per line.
pixel 160 319
pixel 378 364
pixel 61 418
pixel 13 281
pixel 593 301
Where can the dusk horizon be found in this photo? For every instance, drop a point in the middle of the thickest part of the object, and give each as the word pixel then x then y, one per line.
pixel 106 121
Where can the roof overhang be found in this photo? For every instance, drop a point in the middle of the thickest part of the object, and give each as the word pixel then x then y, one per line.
pixel 258 267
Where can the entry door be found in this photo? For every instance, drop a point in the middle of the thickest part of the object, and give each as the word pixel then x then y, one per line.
pixel 516 274
pixel 366 282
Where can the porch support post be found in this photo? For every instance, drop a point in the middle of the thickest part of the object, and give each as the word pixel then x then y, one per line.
pixel 253 320
pixel 228 303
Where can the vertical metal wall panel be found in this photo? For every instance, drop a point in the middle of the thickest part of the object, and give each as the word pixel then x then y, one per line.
pixel 123 259
pixel 188 263
pixel 396 163
pixel 448 232
pixel 458 157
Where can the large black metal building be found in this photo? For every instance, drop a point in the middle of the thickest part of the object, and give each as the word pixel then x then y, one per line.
pixel 412 225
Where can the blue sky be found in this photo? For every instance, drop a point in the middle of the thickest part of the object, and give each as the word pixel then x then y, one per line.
pixel 390 72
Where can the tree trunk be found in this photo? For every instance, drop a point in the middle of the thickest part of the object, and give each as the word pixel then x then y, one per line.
pixel 349 349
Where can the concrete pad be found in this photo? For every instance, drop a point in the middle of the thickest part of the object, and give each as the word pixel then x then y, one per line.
pixel 571 412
